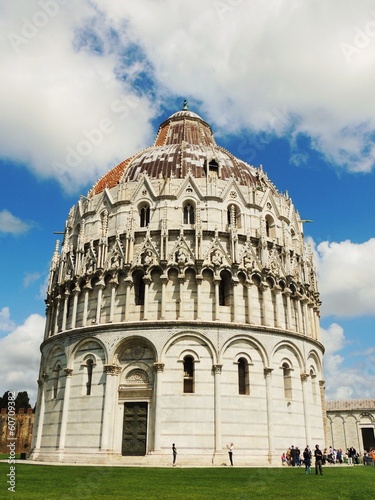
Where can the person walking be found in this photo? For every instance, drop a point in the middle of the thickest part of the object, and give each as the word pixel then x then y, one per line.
pixel 230 452
pixel 307 460
pixel 174 452
pixel 318 460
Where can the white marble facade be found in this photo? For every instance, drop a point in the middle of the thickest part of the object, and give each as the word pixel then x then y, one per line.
pixel 182 307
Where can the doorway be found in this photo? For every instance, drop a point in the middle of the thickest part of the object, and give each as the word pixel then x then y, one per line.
pixel 368 438
pixel 135 429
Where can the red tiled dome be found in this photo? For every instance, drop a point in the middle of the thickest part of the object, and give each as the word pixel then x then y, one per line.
pixel 184 143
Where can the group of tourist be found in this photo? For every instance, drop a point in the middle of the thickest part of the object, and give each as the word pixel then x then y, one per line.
pixel 294 458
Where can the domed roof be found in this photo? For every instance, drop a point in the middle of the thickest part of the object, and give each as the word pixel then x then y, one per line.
pixel 184 144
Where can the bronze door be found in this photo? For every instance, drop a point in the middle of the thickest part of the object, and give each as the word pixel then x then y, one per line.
pixel 135 429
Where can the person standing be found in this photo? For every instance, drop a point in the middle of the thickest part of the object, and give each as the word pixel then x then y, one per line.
pixel 230 452
pixel 318 460
pixel 174 452
pixel 307 460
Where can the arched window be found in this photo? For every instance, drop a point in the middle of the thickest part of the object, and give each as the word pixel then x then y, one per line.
pixel 139 288
pixel 287 376
pixel 188 374
pixel 270 227
pixel 144 216
pixel 189 214
pixel 89 367
pixel 56 381
pixel 243 376
pixel 213 167
pixel 224 288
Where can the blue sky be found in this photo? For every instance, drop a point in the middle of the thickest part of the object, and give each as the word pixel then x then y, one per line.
pixel 283 83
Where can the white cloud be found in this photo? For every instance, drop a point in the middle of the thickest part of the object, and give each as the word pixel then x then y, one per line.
pixel 333 339
pixel 275 65
pixel 346 278
pixel 20 357
pixel 342 381
pixel 6 323
pixel 74 117
pixel 11 224
pixel 30 278
pixel 73 85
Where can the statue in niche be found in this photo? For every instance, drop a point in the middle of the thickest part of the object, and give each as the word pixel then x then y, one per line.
pixel 147 258
pixel 216 258
pixel 248 261
pixel 90 265
pixel 181 257
pixel 115 260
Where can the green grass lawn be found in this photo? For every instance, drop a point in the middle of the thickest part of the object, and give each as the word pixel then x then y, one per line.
pixel 43 482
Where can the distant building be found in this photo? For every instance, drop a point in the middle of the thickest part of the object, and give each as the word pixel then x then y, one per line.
pixel 183 307
pixel 352 423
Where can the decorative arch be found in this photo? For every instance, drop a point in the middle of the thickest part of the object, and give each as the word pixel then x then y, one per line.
pixel 137 373
pixel 206 342
pixel 254 343
pixel 132 349
pixel 293 348
pixel 94 355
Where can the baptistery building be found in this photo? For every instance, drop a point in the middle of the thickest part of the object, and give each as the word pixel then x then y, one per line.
pixel 182 307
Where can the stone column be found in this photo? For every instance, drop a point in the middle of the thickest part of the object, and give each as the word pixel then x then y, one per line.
pixel 87 288
pixel 249 287
pixel 76 292
pixel 101 286
pixel 164 279
pixel 278 306
pixel 304 379
pixel 114 284
pixel 110 398
pixel 128 284
pixel 181 283
pixel 305 315
pixel 199 298
pixel 158 369
pixel 299 326
pixel 146 281
pixel 324 413
pixel 41 410
pixel 310 312
pixel 287 292
pixel 235 300
pixel 217 415
pixel 268 377
pixel 217 303
pixel 57 309
pixel 266 299
pixel 64 417
pixel 48 327
pixel 316 323
pixel 65 311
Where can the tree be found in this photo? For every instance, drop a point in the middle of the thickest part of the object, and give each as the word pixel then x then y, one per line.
pixel 22 400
